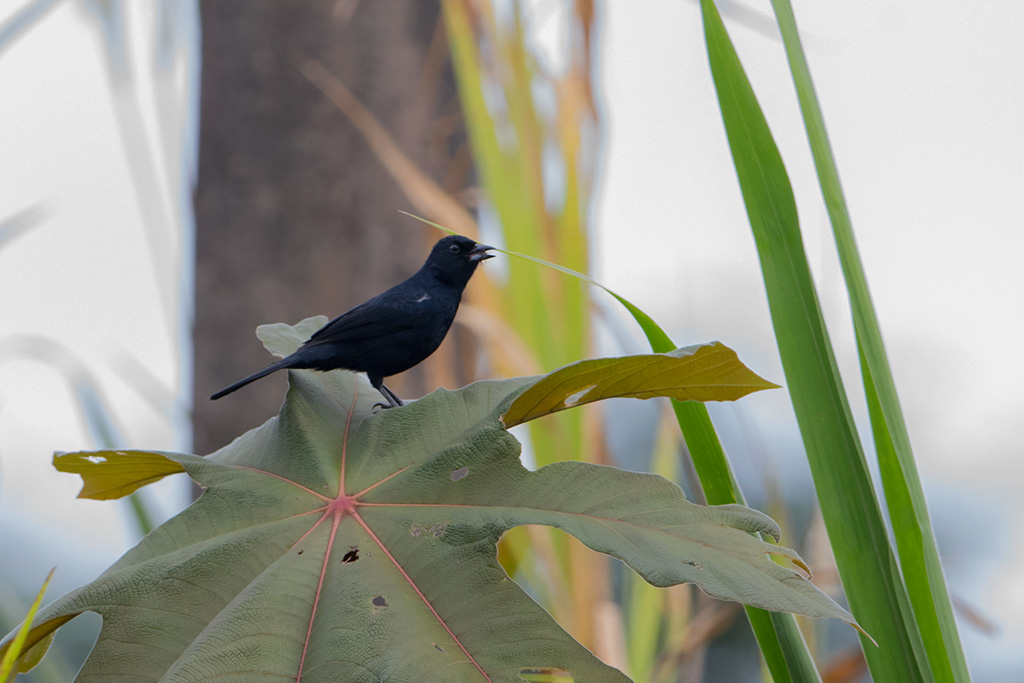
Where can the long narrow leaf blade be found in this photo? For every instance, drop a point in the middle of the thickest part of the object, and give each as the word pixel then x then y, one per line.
pixel 904 495
pixel 16 651
pixel 866 561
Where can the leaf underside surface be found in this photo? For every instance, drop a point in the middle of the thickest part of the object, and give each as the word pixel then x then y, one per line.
pixel 336 542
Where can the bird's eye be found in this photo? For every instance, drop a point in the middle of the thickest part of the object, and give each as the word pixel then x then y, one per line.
pixel 454 249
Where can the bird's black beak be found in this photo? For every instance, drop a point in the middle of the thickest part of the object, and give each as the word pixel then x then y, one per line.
pixel 479 253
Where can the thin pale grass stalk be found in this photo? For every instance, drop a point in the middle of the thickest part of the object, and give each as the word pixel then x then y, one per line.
pixel 648 607
pixel 683 658
pixel 160 218
pixel 506 351
pixel 551 315
pixel 610 634
pixel 904 495
pixel 419 188
pixel 21 21
pixel 14 226
pixel 93 408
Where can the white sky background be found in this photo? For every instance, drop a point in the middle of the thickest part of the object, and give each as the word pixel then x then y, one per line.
pixel 924 103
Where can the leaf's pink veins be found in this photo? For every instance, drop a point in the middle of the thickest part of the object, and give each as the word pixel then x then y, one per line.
pixel 344 441
pixel 338 512
pixel 338 508
pixel 296 484
pixel 319 587
pixel 373 486
pixel 312 528
pixel 380 544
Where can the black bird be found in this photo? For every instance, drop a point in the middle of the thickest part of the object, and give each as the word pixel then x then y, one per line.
pixel 394 330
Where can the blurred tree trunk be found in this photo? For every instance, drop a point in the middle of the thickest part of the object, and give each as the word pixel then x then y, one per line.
pixel 295 216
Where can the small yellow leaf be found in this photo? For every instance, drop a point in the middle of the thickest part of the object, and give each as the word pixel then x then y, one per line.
pixel 707 372
pixel 107 475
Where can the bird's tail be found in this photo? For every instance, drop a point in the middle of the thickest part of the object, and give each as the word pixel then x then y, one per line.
pixel 283 363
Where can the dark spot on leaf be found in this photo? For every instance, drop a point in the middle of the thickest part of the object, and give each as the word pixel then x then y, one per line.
pixel 693 564
pixel 379 601
pixel 438 647
pixel 351 556
pixel 438 529
pixel 301 551
pixel 416 531
pixel 460 473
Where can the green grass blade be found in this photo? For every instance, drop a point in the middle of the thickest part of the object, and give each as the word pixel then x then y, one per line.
pixel 919 557
pixel 865 558
pixel 9 663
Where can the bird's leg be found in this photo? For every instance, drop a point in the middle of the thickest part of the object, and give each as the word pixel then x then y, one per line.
pixel 377 383
pixel 390 396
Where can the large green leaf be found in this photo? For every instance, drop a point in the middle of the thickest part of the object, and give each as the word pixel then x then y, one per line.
pixel 340 543
pixel 778 636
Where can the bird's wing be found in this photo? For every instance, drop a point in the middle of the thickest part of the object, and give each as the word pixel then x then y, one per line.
pixel 374 318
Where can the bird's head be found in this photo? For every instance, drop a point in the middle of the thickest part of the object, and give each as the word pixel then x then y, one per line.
pixel 454 259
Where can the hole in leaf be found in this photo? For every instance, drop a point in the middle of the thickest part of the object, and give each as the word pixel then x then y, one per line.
pixel 573 399
pixel 379 601
pixel 460 473
pixel 351 556
pixel 546 675
pixel 95 459
pixel 693 564
pixel 416 531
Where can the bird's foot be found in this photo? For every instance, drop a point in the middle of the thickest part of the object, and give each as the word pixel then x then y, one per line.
pixel 393 400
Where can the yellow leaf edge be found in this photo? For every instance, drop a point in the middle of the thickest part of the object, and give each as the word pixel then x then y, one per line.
pixel 108 475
